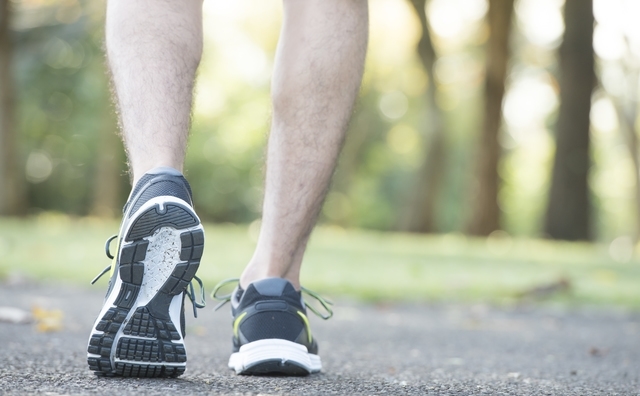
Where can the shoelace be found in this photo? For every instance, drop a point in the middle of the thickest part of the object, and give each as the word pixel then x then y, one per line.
pixel 190 292
pixel 227 298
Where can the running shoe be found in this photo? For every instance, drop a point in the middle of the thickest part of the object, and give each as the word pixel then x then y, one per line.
pixel 271 331
pixel 140 329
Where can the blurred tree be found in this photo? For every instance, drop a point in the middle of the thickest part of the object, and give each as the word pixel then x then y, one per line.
pixel 12 188
pixel 485 217
pixel 628 113
pixel 420 212
pixel 626 104
pixel 107 190
pixel 61 109
pixel 569 210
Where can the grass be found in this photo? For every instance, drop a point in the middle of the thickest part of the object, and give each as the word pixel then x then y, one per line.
pixel 352 263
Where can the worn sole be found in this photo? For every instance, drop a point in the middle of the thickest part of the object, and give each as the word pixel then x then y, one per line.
pixel 137 333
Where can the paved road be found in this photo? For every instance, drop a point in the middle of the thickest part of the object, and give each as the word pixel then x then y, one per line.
pixel 396 349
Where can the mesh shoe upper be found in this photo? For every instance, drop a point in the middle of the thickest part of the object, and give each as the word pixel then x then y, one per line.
pixel 155 185
pixel 267 309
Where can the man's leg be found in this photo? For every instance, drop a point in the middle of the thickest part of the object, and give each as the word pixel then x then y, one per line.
pixel 317 76
pixel 153 47
pixel 318 70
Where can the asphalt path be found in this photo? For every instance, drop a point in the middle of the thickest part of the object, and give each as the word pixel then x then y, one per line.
pixel 416 349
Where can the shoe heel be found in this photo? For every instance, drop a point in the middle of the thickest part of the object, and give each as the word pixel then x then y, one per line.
pixel 274 356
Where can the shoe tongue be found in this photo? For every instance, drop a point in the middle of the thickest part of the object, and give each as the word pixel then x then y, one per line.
pixel 273 287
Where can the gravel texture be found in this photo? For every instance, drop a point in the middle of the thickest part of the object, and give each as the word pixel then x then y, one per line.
pixel 366 349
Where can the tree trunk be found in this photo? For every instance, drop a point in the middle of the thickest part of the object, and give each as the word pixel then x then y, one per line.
pixel 626 104
pixel 485 217
pixel 107 182
pixel 627 113
pixel 12 185
pixel 569 209
pixel 627 109
pixel 420 213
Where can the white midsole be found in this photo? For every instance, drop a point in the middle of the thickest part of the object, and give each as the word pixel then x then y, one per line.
pixel 274 349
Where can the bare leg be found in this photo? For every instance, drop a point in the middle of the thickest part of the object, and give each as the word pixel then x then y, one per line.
pixel 154 48
pixel 319 65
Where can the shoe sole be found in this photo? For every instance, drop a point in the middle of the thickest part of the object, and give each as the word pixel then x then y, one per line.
pixel 274 357
pixel 137 331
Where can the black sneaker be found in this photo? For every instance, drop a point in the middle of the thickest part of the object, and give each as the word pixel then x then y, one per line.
pixel 271 332
pixel 140 329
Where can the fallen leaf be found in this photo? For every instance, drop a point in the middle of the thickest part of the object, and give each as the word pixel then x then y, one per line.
pixel 47 320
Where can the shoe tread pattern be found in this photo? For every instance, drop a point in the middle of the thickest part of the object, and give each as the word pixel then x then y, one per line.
pixel 153 351
pixel 148 370
pixel 101 344
pixel 158 351
pixel 174 215
pixel 143 324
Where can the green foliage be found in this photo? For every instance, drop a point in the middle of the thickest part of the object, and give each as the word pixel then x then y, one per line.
pixel 357 264
pixel 64 107
pixel 63 103
pixel 62 93
pixel 65 111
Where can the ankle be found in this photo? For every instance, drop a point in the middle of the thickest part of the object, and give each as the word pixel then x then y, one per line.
pixel 138 172
pixel 253 273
